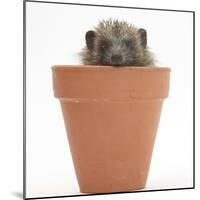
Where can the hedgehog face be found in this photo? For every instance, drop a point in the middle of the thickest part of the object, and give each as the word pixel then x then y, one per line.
pixel 116 51
pixel 115 43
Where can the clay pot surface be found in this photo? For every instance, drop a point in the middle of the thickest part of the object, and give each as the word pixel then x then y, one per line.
pixel 111 116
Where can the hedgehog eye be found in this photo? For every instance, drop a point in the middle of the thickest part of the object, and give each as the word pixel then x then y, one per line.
pixel 128 43
pixel 103 45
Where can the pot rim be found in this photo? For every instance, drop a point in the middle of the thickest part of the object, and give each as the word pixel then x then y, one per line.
pixel 106 82
pixel 106 67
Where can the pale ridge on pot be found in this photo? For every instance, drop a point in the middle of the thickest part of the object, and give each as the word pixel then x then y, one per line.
pixel 111 117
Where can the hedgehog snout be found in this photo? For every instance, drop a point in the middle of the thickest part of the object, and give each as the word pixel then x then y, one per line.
pixel 116 58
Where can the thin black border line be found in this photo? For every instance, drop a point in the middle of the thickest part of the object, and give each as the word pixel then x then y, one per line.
pixel 24 101
pixel 95 194
pixel 110 6
pixel 194 99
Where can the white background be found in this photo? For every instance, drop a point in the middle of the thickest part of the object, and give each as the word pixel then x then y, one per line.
pixel 11 102
pixel 55 35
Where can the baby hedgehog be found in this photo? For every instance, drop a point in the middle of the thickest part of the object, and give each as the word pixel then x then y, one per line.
pixel 116 43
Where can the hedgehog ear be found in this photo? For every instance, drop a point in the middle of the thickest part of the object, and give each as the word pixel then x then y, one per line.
pixel 143 36
pixel 89 37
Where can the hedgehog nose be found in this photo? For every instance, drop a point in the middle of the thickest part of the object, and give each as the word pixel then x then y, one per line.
pixel 116 58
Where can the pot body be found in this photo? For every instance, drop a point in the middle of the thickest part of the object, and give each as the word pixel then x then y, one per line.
pixel 111 117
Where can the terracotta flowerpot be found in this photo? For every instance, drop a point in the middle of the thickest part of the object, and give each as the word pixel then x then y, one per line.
pixel 111 116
